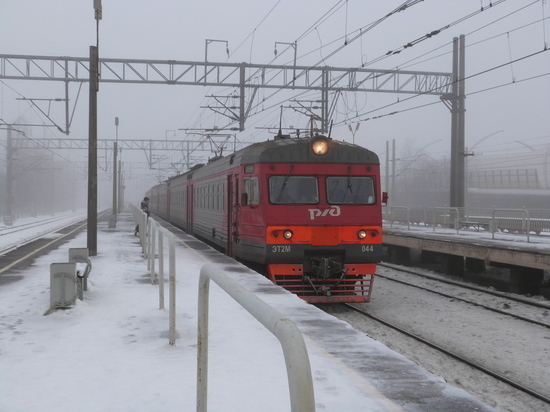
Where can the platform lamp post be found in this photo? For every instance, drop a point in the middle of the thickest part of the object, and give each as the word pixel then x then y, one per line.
pixel 92 138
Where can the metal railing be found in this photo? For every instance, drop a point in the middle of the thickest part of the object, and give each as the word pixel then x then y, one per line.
pixel 294 349
pixel 149 231
pixel 401 209
pixel 525 223
pixel 493 220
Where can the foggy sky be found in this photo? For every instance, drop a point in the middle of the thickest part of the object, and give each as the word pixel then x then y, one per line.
pixel 176 30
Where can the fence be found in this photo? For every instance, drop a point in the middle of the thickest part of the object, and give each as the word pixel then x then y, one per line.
pixel 481 219
pixel 149 231
pixel 294 349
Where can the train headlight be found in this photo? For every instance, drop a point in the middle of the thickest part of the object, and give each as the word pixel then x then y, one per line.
pixel 362 234
pixel 320 146
pixel 287 234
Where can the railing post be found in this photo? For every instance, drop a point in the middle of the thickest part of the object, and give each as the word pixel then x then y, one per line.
pixel 457 219
pixel 528 224
pixel 143 232
pixel 152 257
pixel 202 344
pixel 150 225
pixel 172 264
pixel 161 270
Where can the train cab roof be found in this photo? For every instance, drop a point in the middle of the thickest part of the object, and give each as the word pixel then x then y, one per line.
pixel 301 150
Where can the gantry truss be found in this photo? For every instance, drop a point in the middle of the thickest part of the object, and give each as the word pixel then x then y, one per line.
pixel 247 78
pixel 215 144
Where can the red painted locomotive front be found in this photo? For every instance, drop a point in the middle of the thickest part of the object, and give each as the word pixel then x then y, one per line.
pixel 324 248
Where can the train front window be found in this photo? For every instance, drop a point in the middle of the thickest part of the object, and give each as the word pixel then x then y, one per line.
pixel 350 190
pixel 293 190
pixel 252 190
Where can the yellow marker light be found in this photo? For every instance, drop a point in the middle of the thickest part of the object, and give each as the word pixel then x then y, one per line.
pixel 319 147
pixel 287 234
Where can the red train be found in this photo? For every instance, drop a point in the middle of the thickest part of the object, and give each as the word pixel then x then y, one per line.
pixel 308 209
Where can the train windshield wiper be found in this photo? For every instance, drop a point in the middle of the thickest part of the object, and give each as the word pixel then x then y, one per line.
pixel 349 181
pixel 280 194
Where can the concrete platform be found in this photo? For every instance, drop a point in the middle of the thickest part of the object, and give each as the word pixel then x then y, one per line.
pixel 110 351
pixel 395 382
pixel 527 261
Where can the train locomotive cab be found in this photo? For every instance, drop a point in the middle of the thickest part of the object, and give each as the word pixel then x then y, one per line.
pixel 311 212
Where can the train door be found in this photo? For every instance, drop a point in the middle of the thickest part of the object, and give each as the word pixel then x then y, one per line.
pixel 232 213
pixel 189 208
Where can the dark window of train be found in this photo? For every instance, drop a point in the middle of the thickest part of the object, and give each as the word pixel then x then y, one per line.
pixel 219 197
pixel 351 190
pixel 252 189
pixel 293 190
pixel 223 197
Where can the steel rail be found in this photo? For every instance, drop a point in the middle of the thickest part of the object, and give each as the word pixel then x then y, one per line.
pixel 17 228
pixel 35 237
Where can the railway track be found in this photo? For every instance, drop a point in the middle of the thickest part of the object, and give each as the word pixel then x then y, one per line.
pixel 15 236
pixel 35 223
pixel 450 327
pixel 506 310
pixel 456 356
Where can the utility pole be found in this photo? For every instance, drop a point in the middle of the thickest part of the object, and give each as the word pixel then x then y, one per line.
pixel 457 99
pixel 458 118
pixel 92 139
pixel 393 171
pixel 461 156
pixel 120 203
pixel 387 181
pixel 92 156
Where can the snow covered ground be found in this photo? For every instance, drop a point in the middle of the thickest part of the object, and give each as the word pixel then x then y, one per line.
pixel 511 347
pixel 24 230
pixel 110 352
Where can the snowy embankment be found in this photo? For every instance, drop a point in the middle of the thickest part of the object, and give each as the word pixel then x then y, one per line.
pixel 26 230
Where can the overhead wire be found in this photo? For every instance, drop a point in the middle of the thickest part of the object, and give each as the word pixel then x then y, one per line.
pixel 406 65
pixel 511 62
pixel 437 102
pixel 407 4
pixel 404 6
pixel 321 20
pixel 416 41
pixel 205 110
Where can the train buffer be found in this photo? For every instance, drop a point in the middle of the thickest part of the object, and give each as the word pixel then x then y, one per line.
pixel 466 224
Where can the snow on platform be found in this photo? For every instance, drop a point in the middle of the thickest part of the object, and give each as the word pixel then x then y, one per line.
pixel 110 352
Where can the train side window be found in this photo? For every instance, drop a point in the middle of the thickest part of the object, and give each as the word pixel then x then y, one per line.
pixel 350 190
pixel 252 190
pixel 293 190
